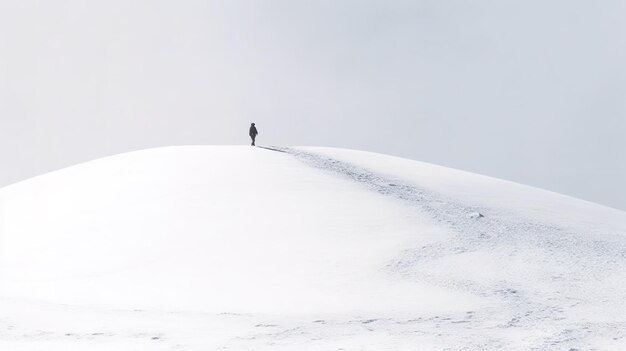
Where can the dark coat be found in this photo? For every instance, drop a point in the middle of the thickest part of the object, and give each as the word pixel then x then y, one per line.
pixel 253 131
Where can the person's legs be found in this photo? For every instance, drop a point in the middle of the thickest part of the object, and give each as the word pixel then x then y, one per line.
pixel 253 140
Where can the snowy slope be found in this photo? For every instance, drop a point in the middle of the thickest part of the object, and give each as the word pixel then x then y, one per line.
pixel 196 248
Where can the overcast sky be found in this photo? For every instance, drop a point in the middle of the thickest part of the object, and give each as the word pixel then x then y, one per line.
pixel 532 91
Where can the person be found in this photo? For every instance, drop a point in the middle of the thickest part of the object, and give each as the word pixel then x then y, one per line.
pixel 253 133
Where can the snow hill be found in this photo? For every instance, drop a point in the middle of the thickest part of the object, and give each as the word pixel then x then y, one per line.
pixel 229 247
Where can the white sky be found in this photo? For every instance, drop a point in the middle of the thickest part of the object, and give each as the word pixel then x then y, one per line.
pixel 532 91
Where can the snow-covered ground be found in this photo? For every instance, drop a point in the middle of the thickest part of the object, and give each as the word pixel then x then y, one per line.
pixel 241 248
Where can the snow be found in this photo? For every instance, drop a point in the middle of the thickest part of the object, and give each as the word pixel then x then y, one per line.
pixel 232 247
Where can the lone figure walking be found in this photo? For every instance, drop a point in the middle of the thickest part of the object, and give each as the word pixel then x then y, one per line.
pixel 253 133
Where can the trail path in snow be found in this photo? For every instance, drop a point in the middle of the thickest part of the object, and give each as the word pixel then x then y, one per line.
pixel 572 267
